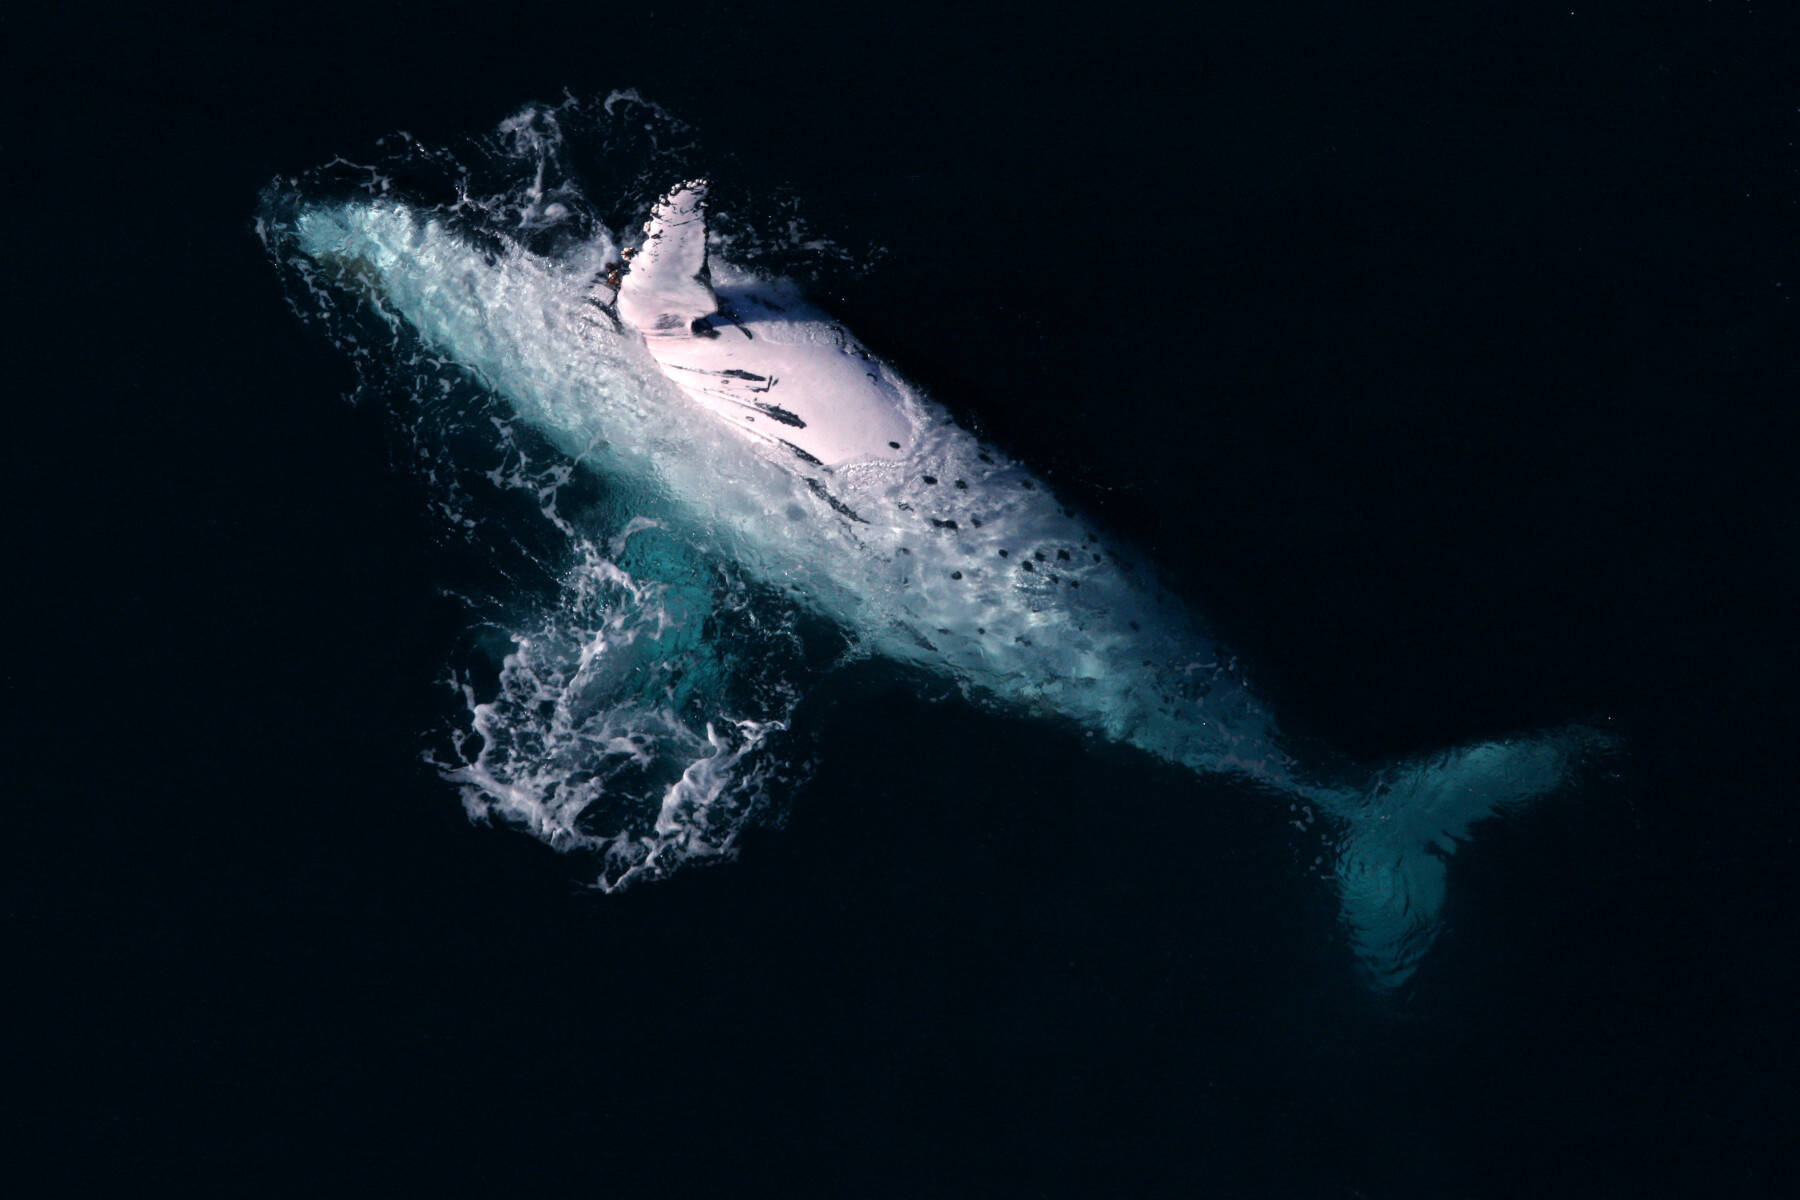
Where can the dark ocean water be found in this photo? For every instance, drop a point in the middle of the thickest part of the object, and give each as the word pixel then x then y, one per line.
pixel 1445 358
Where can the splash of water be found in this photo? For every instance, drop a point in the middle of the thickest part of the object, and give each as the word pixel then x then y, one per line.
pixel 629 689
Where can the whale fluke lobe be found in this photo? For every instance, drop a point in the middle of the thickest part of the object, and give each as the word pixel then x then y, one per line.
pixel 1400 834
pixel 665 290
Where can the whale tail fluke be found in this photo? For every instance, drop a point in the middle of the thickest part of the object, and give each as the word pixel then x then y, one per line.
pixel 1402 831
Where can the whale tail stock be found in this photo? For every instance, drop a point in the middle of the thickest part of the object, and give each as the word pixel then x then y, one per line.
pixel 1401 831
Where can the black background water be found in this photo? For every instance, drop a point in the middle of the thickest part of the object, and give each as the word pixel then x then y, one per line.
pixel 1445 356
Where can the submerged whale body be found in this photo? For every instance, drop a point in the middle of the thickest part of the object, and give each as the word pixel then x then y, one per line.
pixel 736 424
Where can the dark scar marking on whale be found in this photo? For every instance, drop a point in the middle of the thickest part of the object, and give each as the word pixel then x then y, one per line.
pixel 772 411
pixel 804 456
pixel 777 413
pixel 837 505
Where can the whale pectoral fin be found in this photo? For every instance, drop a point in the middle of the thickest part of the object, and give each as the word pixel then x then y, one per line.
pixel 665 290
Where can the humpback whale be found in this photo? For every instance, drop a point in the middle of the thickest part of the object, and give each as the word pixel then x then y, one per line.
pixel 734 422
